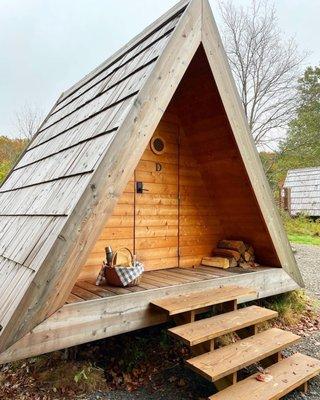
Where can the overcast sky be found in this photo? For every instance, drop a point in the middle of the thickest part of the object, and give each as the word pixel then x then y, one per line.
pixel 47 45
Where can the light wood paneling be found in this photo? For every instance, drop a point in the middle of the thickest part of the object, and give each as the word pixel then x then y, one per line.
pixel 174 219
pixel 159 252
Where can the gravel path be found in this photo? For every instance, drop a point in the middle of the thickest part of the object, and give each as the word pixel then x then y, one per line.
pixel 308 258
pixel 181 384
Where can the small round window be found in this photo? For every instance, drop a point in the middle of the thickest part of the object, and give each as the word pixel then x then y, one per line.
pixel 157 145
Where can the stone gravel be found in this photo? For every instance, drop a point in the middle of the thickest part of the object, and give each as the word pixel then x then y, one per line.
pixel 308 259
pixel 181 384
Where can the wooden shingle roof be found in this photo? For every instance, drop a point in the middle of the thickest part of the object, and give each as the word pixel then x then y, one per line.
pixel 45 186
pixel 305 191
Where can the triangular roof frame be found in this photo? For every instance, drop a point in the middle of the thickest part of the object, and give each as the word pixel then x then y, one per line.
pixel 81 229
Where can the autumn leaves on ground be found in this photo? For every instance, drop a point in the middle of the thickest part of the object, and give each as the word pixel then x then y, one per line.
pixel 129 361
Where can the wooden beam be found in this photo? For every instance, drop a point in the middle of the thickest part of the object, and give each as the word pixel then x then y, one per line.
pixel 87 321
pixel 217 58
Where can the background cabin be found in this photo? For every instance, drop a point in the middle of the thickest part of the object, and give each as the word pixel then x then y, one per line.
pixel 300 193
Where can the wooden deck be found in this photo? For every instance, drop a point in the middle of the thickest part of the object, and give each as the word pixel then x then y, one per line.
pixel 87 290
pixel 95 312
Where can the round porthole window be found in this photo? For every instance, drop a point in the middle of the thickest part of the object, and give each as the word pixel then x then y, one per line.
pixel 157 145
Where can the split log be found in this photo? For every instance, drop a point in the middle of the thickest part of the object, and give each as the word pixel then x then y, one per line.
pixel 248 256
pixel 219 262
pixel 227 253
pixel 237 245
pixel 249 249
pixel 247 265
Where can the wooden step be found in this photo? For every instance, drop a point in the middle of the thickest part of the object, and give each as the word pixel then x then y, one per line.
pixel 226 360
pixel 205 298
pixel 288 375
pixel 210 328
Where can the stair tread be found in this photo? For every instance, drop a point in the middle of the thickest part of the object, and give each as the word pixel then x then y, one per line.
pixel 205 298
pixel 288 374
pixel 226 360
pixel 210 328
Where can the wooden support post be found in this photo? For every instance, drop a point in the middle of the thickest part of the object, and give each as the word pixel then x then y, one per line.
pixel 225 382
pixel 185 318
pixel 305 387
pixel 234 378
pixel 273 359
pixel 192 316
pixel 279 356
pixel 246 332
pixel 228 306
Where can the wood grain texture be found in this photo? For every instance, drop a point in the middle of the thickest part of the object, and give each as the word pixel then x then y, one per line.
pixel 197 300
pixel 86 321
pixel 229 359
pixel 288 375
pixel 229 96
pixel 80 162
pixel 119 106
pixel 210 328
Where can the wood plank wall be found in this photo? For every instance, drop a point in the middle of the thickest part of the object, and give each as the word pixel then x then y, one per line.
pixel 157 210
pixel 200 228
pixel 159 240
pixel 206 124
pixel 201 195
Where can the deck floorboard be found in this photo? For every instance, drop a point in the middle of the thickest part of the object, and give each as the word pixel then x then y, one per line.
pixel 87 290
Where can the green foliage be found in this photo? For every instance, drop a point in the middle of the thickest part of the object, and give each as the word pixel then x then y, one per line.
pixel 304 239
pixel 302 229
pixel 10 149
pixel 301 148
pixel 290 306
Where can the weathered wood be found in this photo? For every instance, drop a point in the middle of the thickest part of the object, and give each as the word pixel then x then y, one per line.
pixel 219 262
pixel 95 202
pixel 232 358
pixel 236 245
pixel 87 151
pixel 96 319
pixel 210 328
pixel 288 374
pixel 197 300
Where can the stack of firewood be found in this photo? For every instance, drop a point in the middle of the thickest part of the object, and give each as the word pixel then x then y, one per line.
pixel 231 253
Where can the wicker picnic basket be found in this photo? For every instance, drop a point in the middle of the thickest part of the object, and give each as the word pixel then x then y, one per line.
pixel 112 270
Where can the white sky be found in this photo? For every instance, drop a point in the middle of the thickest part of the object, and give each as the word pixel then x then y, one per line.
pixel 47 45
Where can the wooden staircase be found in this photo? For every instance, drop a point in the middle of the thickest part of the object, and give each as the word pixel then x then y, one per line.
pixel 221 364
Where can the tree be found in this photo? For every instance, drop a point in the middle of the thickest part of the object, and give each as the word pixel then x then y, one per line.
pixel 10 149
pixel 301 147
pixel 28 120
pixel 265 67
pixel 302 144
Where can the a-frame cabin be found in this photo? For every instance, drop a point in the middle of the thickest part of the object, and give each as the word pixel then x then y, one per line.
pixel 73 192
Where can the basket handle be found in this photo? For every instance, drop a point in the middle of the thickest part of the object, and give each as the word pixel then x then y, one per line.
pixel 123 250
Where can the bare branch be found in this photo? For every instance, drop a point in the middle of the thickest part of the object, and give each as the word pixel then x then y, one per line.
pixel 27 121
pixel 266 67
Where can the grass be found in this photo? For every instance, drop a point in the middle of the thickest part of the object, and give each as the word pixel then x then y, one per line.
pixel 291 306
pixel 302 229
pixel 304 239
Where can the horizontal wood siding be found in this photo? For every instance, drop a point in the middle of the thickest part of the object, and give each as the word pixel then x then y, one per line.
pixel 199 228
pixel 175 221
pixel 157 209
pixel 215 150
